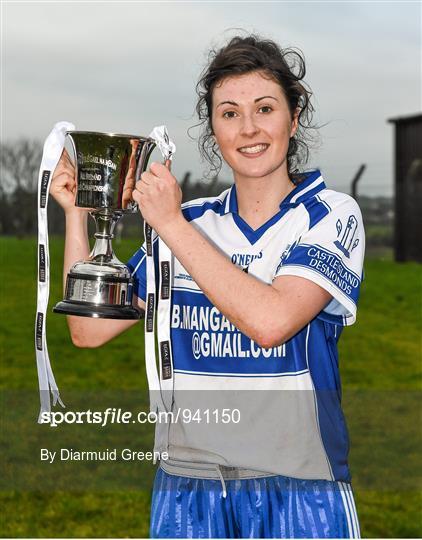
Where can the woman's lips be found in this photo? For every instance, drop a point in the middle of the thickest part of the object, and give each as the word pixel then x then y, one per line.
pixel 253 150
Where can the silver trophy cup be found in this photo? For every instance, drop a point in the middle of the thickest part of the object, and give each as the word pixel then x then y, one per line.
pixel 108 166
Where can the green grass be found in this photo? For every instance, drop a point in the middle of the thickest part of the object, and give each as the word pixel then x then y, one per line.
pixel 380 359
pixel 379 234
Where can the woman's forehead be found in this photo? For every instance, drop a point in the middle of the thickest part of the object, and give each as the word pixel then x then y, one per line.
pixel 246 86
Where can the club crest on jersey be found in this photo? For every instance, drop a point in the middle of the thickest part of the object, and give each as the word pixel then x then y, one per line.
pixel 346 241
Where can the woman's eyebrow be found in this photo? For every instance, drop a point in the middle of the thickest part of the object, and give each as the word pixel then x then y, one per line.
pixel 265 97
pixel 236 104
pixel 228 103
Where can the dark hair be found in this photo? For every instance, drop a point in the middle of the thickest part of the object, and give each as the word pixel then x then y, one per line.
pixel 244 55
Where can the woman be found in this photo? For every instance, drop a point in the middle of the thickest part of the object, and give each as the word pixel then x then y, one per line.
pixel 265 277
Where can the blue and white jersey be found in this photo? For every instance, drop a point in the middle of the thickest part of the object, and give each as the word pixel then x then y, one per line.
pixel 289 396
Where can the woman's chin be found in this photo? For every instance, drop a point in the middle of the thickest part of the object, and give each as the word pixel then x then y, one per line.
pixel 255 172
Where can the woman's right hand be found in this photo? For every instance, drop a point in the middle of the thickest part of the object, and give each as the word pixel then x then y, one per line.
pixel 63 184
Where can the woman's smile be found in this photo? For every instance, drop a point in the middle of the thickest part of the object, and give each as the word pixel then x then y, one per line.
pixel 253 150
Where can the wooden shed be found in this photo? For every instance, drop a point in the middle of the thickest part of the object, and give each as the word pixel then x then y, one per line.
pixel 408 188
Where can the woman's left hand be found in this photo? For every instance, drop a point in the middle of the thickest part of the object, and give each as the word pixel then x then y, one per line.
pixel 159 197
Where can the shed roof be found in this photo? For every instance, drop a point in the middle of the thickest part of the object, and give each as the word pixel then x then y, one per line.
pixel 417 117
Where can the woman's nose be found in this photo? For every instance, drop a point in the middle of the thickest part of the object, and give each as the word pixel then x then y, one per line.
pixel 248 126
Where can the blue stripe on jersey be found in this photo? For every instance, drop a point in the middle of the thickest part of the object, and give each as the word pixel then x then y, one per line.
pixel 268 507
pixel 327 264
pixel 317 210
pixel 233 207
pixel 324 370
pixel 137 259
pixel 195 211
pixel 307 179
pixel 323 202
pixel 311 193
pixel 211 344
pixel 137 265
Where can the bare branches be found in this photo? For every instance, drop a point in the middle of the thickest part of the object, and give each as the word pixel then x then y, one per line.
pixel 20 161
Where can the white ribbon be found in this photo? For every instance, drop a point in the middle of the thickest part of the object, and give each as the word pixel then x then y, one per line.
pixel 150 359
pixel 52 151
pixel 161 383
pixel 162 139
pixel 164 326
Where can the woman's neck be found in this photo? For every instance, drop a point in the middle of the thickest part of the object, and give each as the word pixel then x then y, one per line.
pixel 259 199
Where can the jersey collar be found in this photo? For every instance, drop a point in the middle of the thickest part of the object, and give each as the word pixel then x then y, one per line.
pixel 311 183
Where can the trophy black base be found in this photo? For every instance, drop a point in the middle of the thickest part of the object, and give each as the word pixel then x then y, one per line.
pixel 86 309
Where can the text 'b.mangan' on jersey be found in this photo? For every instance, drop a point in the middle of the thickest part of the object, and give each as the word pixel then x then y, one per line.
pixel 289 397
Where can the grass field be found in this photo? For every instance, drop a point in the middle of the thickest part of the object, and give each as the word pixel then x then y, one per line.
pixel 381 371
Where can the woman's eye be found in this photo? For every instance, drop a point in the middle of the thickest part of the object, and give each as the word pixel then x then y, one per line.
pixel 265 109
pixel 229 114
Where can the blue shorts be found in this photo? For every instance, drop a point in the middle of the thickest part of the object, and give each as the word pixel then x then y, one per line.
pixel 267 507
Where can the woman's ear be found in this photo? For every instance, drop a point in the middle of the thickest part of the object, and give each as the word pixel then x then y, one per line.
pixel 295 122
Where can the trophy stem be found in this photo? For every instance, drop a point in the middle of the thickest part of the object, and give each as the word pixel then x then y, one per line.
pixel 105 223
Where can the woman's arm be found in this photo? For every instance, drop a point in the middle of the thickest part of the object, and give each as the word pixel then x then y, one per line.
pixel 84 331
pixel 268 314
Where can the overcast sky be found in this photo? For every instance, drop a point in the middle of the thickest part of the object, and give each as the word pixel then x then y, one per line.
pixel 129 66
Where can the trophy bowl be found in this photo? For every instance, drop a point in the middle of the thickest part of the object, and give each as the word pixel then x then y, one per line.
pixel 108 166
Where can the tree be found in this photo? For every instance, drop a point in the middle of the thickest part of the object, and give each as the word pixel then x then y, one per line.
pixel 20 161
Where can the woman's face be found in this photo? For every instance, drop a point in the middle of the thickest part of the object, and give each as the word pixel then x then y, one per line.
pixel 252 124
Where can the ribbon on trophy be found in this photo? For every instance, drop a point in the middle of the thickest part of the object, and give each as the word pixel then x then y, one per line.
pixel 161 383
pixel 52 151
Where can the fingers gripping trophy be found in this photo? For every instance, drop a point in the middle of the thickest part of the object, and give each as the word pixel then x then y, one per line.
pixel 107 167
